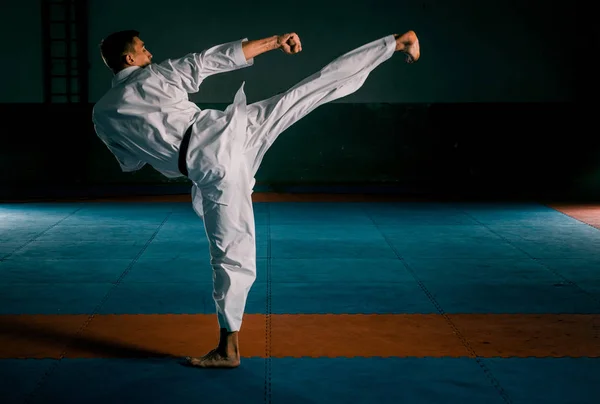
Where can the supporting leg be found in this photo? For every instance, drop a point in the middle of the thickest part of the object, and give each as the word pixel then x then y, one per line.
pixel 232 241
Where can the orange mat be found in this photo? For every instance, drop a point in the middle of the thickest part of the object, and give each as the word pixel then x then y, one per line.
pixel 398 335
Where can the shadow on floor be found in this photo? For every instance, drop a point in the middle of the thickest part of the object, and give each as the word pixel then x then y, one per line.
pixel 49 339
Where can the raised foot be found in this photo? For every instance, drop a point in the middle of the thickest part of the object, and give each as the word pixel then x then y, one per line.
pixel 214 360
pixel 408 43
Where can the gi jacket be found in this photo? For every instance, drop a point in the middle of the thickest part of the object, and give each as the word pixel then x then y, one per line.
pixel 143 116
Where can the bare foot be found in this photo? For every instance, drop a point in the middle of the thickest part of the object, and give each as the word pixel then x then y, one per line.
pixel 408 43
pixel 214 360
pixel 225 356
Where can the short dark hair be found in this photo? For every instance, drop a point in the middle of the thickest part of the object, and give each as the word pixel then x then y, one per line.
pixel 115 46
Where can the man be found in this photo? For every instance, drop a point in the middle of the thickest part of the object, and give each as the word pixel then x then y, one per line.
pixel 146 118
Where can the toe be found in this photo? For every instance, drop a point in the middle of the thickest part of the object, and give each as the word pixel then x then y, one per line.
pixel 190 361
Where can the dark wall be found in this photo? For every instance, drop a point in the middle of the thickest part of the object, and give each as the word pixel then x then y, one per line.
pixel 473 51
pixel 498 150
pixel 492 108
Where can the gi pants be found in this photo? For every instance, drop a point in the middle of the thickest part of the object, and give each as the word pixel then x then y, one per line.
pixel 230 228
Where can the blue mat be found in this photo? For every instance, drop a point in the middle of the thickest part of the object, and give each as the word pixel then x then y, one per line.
pixel 324 241
pixel 306 380
pixel 585 272
pixel 349 298
pixel 499 286
pixel 315 213
pixel 19 378
pixel 175 270
pixel 433 241
pixel 339 271
pixel 125 249
pixel 543 241
pixel 382 380
pixel 51 298
pixel 150 381
pixel 174 298
pixel 548 380
pixel 24 270
pixel 401 214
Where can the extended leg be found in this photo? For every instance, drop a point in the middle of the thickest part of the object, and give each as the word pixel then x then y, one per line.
pixel 346 74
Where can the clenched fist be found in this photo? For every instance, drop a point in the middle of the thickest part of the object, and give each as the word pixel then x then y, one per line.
pixel 289 43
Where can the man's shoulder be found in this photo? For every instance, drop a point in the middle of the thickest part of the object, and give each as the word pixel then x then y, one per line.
pixel 160 67
pixel 164 71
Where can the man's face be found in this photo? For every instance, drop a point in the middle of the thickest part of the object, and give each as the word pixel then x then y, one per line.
pixel 140 55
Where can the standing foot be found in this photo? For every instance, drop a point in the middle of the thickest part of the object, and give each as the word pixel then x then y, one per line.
pixel 408 43
pixel 214 360
pixel 225 356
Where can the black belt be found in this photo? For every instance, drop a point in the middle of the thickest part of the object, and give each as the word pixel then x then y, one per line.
pixel 183 148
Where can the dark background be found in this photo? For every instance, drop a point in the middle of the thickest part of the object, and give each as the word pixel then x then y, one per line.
pixel 493 108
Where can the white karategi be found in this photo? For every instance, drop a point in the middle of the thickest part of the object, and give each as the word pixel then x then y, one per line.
pixel 144 115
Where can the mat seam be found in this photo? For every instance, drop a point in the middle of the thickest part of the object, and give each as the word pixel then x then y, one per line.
pixel 557 274
pixel 32 239
pixel 87 322
pixel 268 336
pixel 486 370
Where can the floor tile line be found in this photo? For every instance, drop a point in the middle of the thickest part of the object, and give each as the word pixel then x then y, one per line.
pixel 87 322
pixel 486 370
pixel 268 325
pixel 32 239
pixel 540 262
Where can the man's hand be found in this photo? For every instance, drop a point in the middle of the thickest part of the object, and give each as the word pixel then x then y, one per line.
pixel 289 43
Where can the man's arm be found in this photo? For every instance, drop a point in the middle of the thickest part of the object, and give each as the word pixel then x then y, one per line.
pixel 189 71
pixel 288 43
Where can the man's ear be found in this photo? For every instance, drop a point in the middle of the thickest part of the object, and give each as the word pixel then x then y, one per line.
pixel 129 59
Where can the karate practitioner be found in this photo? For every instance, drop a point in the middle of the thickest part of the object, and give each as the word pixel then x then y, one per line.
pixel 147 118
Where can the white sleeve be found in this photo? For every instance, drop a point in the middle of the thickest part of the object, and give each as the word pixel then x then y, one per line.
pixel 190 70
